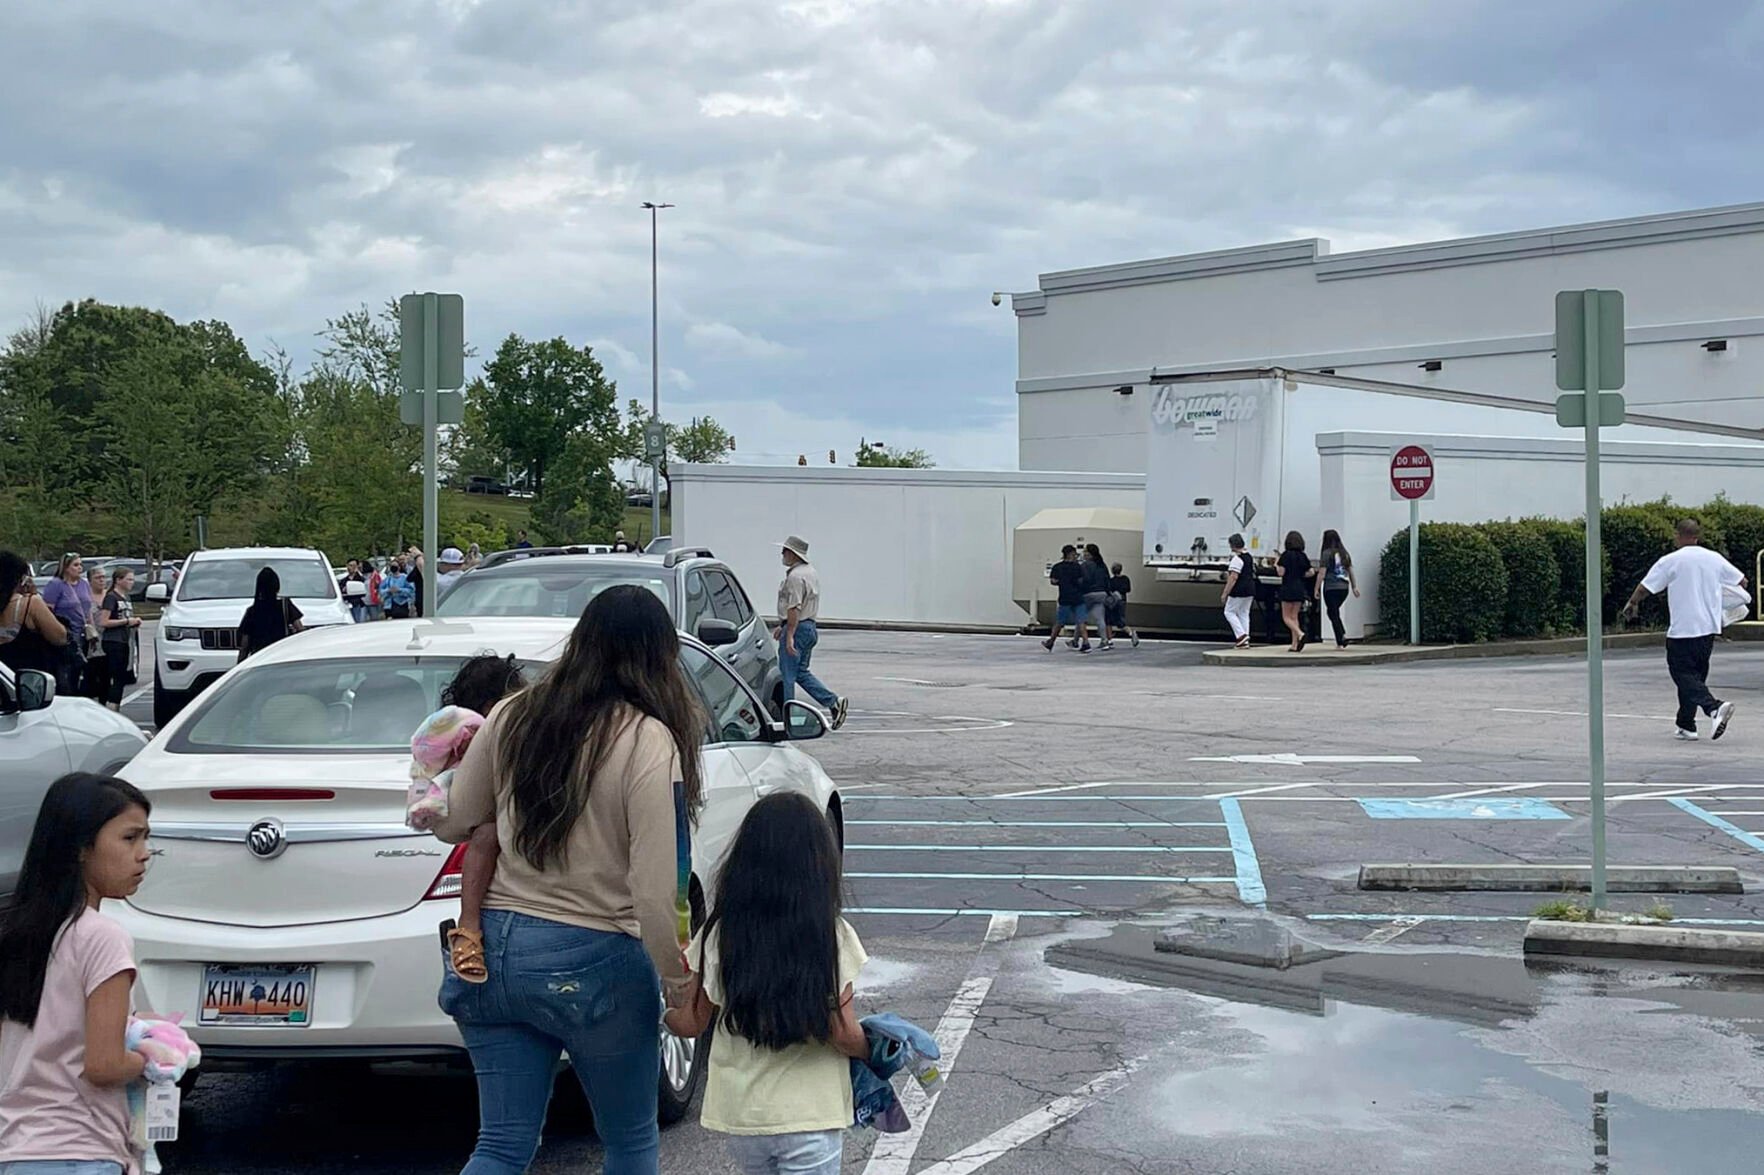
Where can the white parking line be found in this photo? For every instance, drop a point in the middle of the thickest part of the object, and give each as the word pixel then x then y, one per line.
pixel 138 693
pixel 1046 823
pixel 1030 849
pixel 894 1153
pixel 1581 714
pixel 1134 878
pixel 1033 1124
pixel 1395 929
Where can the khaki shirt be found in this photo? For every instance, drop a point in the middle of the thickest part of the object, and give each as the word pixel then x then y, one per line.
pixel 801 590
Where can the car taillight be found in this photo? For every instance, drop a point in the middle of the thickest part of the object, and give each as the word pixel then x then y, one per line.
pixel 450 881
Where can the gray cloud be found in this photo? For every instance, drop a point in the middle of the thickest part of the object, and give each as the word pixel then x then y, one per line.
pixel 853 178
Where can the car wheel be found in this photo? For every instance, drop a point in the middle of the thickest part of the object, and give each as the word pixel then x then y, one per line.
pixel 684 1063
pixel 166 702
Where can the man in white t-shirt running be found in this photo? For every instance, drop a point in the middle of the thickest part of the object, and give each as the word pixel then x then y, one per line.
pixel 1692 578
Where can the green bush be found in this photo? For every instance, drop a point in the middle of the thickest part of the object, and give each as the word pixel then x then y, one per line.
pixel 1568 544
pixel 1463 585
pixel 1634 538
pixel 1534 578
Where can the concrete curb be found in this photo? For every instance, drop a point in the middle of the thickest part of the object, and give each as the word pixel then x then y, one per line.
pixel 1677 944
pixel 1551 878
pixel 1320 654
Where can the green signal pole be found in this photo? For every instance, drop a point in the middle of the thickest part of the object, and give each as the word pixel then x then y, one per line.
pixel 1595 619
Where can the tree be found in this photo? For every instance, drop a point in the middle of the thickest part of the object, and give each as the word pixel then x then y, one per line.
pixel 542 397
pixel 703 442
pixel 879 456
pixel 470 448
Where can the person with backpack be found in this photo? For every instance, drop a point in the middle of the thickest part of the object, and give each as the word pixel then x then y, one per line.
pixel 66 973
pixel 1335 579
pixel 1239 594
pixel 270 618
pixel 773 968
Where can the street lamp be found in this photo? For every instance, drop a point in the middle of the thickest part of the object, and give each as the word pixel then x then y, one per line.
pixel 654 372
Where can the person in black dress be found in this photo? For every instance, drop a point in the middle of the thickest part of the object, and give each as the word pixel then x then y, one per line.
pixel 30 635
pixel 270 618
pixel 1295 586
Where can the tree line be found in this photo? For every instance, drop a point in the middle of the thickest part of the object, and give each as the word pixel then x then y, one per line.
pixel 120 426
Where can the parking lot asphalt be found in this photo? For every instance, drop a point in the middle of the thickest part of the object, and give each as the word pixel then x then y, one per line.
pixel 1000 799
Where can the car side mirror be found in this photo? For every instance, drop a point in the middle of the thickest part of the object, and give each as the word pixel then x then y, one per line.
pixel 717 633
pixel 802 721
pixel 36 690
pixel 159 593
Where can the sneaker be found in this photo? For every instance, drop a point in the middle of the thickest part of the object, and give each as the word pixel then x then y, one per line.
pixel 1133 638
pixel 1107 646
pixel 1085 647
pixel 1071 642
pixel 840 708
pixel 1683 735
pixel 1723 715
pixel 1048 644
pixel 1242 644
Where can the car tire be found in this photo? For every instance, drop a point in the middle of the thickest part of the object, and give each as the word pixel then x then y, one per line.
pixel 166 702
pixel 685 1063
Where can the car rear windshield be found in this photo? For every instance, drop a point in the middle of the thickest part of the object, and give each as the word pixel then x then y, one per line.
pixel 321 707
pixel 236 579
pixel 543 587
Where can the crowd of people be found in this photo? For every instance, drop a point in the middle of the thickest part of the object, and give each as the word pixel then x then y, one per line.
pixel 1092 596
pixel 81 628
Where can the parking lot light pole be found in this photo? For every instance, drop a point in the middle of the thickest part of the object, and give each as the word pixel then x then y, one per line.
pixel 654 370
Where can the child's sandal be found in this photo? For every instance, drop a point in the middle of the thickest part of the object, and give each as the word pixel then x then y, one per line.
pixel 465 949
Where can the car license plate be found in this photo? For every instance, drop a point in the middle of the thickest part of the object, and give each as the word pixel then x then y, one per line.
pixel 257 994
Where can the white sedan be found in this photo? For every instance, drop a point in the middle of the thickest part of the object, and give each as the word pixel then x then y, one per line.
pixel 290 915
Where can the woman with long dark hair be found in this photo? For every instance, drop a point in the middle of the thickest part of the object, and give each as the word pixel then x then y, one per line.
pixel 30 636
pixel 591 775
pixel 1096 599
pixel 777 961
pixel 1295 570
pixel 66 970
pixel 1335 579
pixel 269 618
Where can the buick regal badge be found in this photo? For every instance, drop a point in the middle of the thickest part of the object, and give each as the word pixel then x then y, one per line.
pixel 266 840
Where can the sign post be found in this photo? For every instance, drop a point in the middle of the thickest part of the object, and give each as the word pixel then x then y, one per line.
pixel 1589 365
pixel 431 357
pixel 1411 480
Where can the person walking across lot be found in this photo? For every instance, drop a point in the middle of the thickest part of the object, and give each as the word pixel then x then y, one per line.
pixel 270 618
pixel 592 777
pixel 117 626
pixel 1096 598
pixel 1119 589
pixel 1692 577
pixel 1295 574
pixel 799 602
pixel 1335 579
pixel 1067 576
pixel 1240 592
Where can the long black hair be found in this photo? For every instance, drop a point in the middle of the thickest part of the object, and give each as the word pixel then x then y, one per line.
pixel 13 570
pixel 269 586
pixel 1332 544
pixel 777 924
pixel 623 656
pixel 52 884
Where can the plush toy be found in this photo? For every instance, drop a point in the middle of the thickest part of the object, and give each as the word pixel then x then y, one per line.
pixel 435 750
pixel 169 1051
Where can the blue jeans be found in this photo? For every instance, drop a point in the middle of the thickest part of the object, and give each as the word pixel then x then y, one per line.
pixel 558 989
pixel 796 669
pixel 62 1167
pixel 817 1152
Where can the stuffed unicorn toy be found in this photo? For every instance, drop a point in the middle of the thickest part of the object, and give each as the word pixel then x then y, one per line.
pixel 170 1054
pixel 435 750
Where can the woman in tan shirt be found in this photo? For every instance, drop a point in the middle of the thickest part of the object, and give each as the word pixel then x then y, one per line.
pixel 586 774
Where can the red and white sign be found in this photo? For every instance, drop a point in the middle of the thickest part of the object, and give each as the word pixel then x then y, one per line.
pixel 1411 473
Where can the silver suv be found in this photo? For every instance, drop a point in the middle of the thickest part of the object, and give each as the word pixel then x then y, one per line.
pixel 700 590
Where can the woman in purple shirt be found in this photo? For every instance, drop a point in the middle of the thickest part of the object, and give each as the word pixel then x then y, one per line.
pixel 71 600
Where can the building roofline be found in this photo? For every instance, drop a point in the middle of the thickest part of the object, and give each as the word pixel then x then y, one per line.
pixel 1658 228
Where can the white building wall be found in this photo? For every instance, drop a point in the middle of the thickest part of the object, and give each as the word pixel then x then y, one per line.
pixel 922 546
pixel 1484 306
pixel 1482 478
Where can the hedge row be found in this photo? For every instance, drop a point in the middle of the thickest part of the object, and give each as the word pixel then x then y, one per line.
pixel 1528 578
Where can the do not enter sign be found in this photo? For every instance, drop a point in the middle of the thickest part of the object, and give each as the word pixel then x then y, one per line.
pixel 1411 473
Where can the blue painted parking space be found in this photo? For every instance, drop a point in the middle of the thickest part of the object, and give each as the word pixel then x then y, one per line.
pixel 1479 808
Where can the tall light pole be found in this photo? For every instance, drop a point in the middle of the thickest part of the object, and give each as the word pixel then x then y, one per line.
pixel 654 371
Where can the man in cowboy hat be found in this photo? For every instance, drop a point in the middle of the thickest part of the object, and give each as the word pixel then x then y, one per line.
pixel 799 602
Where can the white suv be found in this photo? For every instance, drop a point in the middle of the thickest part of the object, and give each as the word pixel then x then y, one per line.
pixel 198 637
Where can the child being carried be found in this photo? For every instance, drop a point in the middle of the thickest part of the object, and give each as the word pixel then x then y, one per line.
pixel 436 748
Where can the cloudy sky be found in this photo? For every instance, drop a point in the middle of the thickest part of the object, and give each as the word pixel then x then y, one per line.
pixel 853 177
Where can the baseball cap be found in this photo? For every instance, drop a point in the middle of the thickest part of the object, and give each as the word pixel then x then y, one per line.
pixel 452 555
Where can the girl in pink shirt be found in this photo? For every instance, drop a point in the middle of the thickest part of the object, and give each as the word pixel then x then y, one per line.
pixel 66 970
